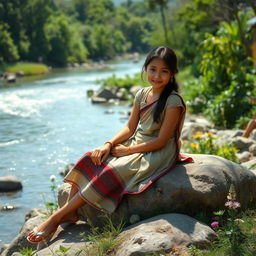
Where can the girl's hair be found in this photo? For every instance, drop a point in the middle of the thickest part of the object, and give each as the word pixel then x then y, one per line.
pixel 169 57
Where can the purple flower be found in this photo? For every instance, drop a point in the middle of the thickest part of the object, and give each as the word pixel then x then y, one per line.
pixel 215 224
pixel 232 204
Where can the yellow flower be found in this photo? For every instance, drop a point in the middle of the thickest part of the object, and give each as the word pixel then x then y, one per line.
pixel 225 150
pixel 197 135
pixel 194 145
pixel 209 134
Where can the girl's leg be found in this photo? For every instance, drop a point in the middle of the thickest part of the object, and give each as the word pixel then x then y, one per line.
pixel 250 127
pixel 73 216
pixel 51 224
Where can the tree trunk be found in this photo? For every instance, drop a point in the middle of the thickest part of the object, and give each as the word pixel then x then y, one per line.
pixel 164 24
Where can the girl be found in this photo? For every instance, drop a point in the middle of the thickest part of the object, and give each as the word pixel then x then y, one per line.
pixel 145 149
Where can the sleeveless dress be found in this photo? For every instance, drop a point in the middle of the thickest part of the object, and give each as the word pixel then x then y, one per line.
pixel 103 186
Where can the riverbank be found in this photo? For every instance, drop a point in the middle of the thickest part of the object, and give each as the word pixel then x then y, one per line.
pixel 47 122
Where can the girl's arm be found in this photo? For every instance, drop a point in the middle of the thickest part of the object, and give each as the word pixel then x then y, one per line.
pixel 126 132
pixel 100 154
pixel 169 125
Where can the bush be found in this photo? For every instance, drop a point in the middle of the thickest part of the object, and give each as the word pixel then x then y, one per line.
pixel 228 77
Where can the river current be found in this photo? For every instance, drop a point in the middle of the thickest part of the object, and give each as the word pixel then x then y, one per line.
pixel 46 123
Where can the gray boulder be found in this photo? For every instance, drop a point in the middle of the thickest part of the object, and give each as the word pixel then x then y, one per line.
pixel 242 143
pixel 32 219
pixel 9 183
pixel 189 188
pixel 106 94
pixel 163 234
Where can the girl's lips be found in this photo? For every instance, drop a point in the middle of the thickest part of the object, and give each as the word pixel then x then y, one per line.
pixel 156 82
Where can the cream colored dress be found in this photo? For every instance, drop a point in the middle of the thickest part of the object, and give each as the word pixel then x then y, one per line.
pixel 103 186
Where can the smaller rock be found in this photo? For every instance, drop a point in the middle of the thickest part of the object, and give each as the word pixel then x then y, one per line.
pixel 250 164
pixel 8 207
pixel 252 149
pixel 20 74
pixel 134 218
pixel 109 111
pixel 244 156
pixel 9 184
pixel 106 94
pixel 135 89
pixel 11 78
pixel 67 168
pixel 242 143
pixel 163 233
pixel 95 99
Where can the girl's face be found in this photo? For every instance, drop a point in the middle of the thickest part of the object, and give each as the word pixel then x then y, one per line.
pixel 158 73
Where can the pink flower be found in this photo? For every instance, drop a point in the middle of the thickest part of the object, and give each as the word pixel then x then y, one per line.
pixel 215 224
pixel 232 204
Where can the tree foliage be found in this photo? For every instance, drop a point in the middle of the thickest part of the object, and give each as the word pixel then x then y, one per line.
pixel 57 32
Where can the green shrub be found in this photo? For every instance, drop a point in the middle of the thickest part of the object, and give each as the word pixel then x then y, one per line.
pixel 122 82
pixel 228 78
pixel 28 68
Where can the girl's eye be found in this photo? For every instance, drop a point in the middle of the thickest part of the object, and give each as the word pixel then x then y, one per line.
pixel 166 71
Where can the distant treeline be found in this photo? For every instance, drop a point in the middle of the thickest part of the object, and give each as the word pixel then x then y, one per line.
pixel 58 32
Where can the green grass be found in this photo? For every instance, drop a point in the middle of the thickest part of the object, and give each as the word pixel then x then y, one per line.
pixel 103 239
pixel 222 247
pixel 28 68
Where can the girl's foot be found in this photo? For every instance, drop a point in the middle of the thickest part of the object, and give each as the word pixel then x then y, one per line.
pixel 43 231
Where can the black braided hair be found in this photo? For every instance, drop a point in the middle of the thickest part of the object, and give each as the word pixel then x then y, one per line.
pixel 170 59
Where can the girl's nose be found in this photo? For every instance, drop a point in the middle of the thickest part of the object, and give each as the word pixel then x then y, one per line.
pixel 157 74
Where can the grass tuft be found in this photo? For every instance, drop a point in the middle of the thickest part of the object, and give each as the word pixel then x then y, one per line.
pixel 28 68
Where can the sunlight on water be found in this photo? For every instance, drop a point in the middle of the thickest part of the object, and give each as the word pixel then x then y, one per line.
pixel 47 124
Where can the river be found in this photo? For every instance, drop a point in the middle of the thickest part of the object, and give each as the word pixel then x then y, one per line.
pixel 48 122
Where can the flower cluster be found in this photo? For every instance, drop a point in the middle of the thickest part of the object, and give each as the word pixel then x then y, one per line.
pixel 232 204
pixel 207 143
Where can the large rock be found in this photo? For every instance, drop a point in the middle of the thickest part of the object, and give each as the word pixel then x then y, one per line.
pixel 73 237
pixel 9 183
pixel 163 234
pixel 32 219
pixel 188 189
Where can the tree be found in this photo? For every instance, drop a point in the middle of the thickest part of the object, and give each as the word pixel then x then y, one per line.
pixel 8 50
pixel 35 17
pixel 162 4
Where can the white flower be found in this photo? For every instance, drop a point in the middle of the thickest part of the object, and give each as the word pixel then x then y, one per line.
pixel 52 178
pixel 237 221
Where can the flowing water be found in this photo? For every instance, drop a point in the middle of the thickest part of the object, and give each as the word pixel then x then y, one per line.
pixel 45 123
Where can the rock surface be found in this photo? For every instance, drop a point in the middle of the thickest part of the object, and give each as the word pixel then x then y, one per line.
pixel 163 233
pixel 33 219
pixel 73 237
pixel 188 189
pixel 9 183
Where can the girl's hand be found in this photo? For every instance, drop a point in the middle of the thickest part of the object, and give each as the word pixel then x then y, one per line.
pixel 100 154
pixel 120 150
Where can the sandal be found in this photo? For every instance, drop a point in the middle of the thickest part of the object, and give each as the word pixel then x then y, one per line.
pixel 42 235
